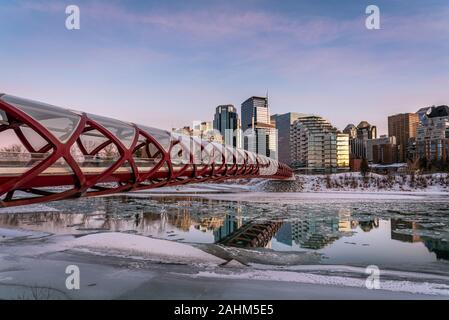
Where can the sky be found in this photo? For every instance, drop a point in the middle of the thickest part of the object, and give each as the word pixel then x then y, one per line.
pixel 169 63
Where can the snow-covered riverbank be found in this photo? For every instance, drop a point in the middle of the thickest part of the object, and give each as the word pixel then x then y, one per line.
pixel 355 182
pixel 352 182
pixel 118 265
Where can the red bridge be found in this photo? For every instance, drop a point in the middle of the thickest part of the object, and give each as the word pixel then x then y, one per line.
pixel 49 153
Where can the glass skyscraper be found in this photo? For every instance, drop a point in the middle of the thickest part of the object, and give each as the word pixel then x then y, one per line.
pixel 254 111
pixel 259 135
pixel 283 123
pixel 226 121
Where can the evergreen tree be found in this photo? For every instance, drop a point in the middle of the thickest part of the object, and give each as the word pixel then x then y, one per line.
pixel 364 167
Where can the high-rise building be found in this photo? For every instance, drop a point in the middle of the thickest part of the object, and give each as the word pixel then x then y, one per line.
pixel 366 131
pixel 226 121
pixel 283 123
pixel 383 150
pixel 254 111
pixel 403 127
pixel 259 135
pixel 358 138
pixel 262 139
pixel 432 140
pixel 351 130
pixel 423 113
pixel 343 151
pixel 313 146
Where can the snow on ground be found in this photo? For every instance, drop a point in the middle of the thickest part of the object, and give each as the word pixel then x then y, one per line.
pixel 301 197
pixel 28 209
pixel 309 278
pixel 354 181
pixel 201 188
pixel 342 186
pixel 13 234
pixel 136 245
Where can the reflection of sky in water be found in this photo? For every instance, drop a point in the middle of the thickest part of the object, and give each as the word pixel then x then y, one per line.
pixel 345 233
pixel 375 246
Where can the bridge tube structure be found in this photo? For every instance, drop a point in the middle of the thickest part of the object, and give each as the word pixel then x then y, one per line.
pixel 49 153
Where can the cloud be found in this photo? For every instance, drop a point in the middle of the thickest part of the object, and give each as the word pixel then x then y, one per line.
pixel 42 6
pixel 317 61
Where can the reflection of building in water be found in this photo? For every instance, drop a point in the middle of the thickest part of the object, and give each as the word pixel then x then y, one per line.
pixel 405 231
pixel 182 220
pixel 210 223
pixel 438 246
pixel 345 223
pixel 230 224
pixel 284 234
pixel 368 225
pixel 314 233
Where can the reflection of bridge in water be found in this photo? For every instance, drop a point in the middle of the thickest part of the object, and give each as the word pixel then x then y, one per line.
pixel 252 234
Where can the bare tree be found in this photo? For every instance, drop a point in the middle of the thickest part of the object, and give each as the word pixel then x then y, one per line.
pixel 13 148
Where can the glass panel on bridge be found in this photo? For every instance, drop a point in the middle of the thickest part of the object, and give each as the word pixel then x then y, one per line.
pixel 218 152
pixel 147 155
pixel 16 158
pixel 251 157
pixel 180 152
pixel 229 154
pixel 196 150
pixel 59 122
pixel 34 139
pixel 163 137
pixel 208 153
pixel 240 156
pixel 263 160
pixel 3 117
pixel 92 139
pixel 121 130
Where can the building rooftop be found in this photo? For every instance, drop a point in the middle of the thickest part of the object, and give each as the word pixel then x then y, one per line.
pixel 364 124
pixel 440 111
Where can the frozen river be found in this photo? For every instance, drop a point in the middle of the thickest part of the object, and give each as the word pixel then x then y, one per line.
pixel 316 232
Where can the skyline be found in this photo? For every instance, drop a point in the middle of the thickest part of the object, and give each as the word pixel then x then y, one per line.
pixel 184 59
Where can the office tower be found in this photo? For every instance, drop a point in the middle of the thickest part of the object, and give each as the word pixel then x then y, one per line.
pixel 262 139
pixel 403 127
pixel 255 111
pixel 383 150
pixel 314 145
pixel 227 123
pixel 259 135
pixel 366 131
pixel 351 131
pixel 283 123
pixel 358 138
pixel 432 140
pixel 423 113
